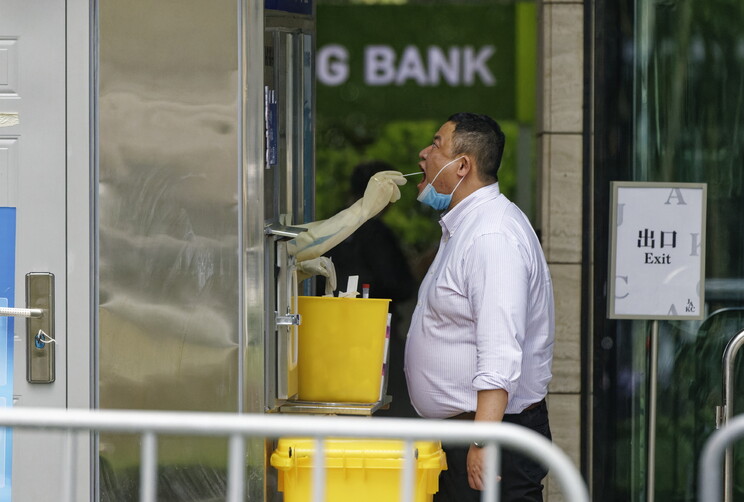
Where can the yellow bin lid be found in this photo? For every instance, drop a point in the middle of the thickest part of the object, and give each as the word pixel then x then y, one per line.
pixel 356 453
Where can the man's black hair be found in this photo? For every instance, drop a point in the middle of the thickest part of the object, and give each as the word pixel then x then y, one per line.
pixel 480 136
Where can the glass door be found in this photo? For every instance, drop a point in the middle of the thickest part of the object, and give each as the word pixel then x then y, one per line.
pixel 685 124
pixel 689 92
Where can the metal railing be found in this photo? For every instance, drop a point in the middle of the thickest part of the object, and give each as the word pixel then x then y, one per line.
pixel 726 412
pixel 237 427
pixel 710 473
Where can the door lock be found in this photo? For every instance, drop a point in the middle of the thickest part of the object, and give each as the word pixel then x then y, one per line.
pixel 39 314
pixel 40 361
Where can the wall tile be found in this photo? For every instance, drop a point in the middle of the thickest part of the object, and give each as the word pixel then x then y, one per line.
pixel 543 83
pixel 562 25
pixel 564 198
pixel 543 190
pixel 567 349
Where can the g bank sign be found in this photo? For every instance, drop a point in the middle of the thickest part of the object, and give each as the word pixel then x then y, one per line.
pixel 422 61
pixel 432 66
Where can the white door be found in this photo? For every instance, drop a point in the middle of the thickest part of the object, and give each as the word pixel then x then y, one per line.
pixel 44 175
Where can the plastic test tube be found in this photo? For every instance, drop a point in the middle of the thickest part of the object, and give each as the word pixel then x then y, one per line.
pixel 365 290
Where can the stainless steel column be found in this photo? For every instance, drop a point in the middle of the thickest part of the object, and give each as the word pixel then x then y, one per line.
pixel 179 123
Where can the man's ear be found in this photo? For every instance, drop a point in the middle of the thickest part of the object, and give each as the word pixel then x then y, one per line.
pixel 466 164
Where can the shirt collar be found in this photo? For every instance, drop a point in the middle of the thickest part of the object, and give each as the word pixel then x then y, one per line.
pixel 451 220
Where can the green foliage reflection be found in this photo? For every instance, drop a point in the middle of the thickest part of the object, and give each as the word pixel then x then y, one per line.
pixel 397 143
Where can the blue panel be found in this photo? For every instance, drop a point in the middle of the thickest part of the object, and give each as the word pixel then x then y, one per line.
pixel 296 6
pixel 7 295
pixel 272 133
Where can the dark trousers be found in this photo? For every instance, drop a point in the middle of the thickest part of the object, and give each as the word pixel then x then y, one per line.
pixel 521 477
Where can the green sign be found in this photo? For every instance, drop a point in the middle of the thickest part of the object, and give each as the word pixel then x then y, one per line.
pixel 422 61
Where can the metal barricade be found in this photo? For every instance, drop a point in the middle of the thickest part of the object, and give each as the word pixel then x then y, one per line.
pixel 710 468
pixel 236 427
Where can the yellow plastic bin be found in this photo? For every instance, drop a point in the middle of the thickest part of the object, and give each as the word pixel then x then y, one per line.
pixel 359 470
pixel 341 348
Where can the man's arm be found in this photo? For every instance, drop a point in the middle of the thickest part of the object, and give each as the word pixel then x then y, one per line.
pixel 491 408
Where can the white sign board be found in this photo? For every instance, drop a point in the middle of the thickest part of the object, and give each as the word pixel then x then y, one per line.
pixel 657 246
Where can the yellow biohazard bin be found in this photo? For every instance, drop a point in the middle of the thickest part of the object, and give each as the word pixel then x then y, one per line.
pixel 358 470
pixel 341 348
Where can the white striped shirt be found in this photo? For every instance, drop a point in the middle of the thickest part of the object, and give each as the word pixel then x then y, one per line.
pixel 484 318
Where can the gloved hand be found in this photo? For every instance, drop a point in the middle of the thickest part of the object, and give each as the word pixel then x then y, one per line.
pixel 382 189
pixel 321 265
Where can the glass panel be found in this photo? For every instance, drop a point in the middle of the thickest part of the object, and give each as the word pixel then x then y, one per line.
pixel 385 84
pixel 688 98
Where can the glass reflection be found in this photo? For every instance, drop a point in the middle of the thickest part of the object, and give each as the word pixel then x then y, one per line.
pixel 688 99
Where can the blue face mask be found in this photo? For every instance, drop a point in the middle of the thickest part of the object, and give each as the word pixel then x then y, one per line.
pixel 439 201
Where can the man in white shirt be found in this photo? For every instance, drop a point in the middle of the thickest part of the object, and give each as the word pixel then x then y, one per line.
pixel 480 344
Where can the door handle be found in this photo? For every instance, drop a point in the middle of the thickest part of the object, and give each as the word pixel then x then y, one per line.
pixel 39 314
pixel 288 320
pixel 283 232
pixel 17 312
